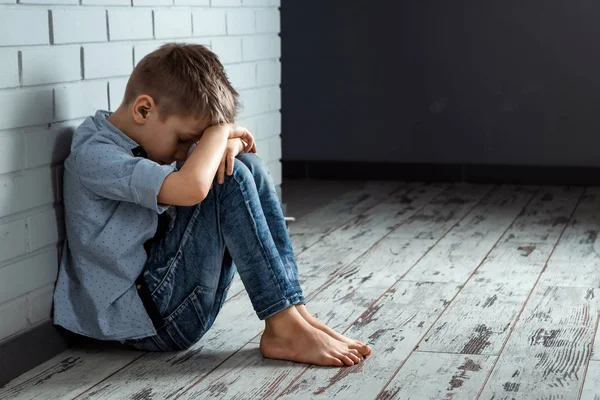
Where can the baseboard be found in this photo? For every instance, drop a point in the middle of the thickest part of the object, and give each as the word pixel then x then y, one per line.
pixel 32 348
pixel 474 173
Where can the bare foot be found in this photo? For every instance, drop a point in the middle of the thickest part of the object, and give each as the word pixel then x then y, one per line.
pixel 288 336
pixel 364 349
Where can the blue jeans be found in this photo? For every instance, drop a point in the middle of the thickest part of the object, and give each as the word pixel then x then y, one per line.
pixel 191 259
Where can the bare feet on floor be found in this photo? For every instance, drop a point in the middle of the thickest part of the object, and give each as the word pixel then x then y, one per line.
pixel 288 336
pixel 364 349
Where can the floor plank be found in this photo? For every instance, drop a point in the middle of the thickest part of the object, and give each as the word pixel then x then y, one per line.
pixel 460 252
pixel 546 355
pixel 479 320
pixel 70 373
pixel 576 260
pixel 591 388
pixel 439 376
pixel 394 325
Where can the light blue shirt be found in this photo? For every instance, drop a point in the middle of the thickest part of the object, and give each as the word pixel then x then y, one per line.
pixel 111 209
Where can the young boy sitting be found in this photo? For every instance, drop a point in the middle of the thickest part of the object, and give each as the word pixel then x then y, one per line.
pixel 156 282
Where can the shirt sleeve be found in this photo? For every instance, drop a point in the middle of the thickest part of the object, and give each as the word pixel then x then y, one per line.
pixel 111 172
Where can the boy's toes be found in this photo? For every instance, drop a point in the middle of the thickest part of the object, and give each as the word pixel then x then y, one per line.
pixel 355 358
pixel 345 359
pixel 331 360
pixel 364 349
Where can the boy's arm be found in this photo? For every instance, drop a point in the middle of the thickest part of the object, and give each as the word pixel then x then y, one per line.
pixel 190 185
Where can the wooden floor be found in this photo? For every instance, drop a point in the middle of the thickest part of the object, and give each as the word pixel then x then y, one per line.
pixel 463 291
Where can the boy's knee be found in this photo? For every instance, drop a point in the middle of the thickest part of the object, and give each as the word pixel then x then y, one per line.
pixel 254 163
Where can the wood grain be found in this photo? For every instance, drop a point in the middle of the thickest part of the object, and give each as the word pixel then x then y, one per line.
pixel 591 388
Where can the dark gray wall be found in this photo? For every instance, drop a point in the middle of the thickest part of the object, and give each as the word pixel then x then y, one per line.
pixel 495 81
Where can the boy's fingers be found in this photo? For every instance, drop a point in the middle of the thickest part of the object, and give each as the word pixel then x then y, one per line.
pixel 230 161
pixel 221 172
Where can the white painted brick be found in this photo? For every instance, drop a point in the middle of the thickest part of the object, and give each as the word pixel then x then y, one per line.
pixel 240 22
pixel 125 24
pixel 27 275
pixel 258 101
pixel 275 3
pixel 275 148
pixel 65 2
pixel 49 145
pixel 29 189
pixel 261 47
pixel 22 27
pixel 9 68
pixel 45 228
pixel 152 2
pixel 106 2
pixel 172 24
pixel 275 170
pixel 14 317
pixel 241 76
pixel 8 1
pixel 40 304
pixel 268 125
pixel 25 107
pixel 106 60
pixel 268 73
pixel 141 50
pixel 12 153
pixel 80 100
pixel 51 65
pixel 248 123
pixel 116 90
pixel 262 149
pixel 267 21
pixel 228 49
pixel 79 26
pixel 192 2
pixel 209 22
pixel 255 3
pixel 13 239
pixel 225 3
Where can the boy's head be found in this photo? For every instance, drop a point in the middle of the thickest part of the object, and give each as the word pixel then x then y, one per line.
pixel 173 95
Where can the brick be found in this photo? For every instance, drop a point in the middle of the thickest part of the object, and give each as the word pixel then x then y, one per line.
pixel 51 145
pixel 267 21
pixel 192 2
pixel 269 125
pixel 13 239
pixel 67 2
pixel 79 26
pixel 262 148
pixel 14 317
pixel 44 228
pixel 172 24
pixel 12 153
pixel 152 2
pixel 141 50
pixel 106 60
pixel 40 304
pixel 31 188
pixel 24 27
pixel 240 22
pixel 209 22
pixel 9 68
pixel 248 123
pixel 275 148
pixel 8 1
pixel 228 49
pixel 258 101
pixel 116 92
pixel 225 3
pixel 106 2
pixel 80 100
pixel 27 275
pixel 275 3
pixel 268 73
pixel 130 24
pixel 261 47
pixel 242 76
pixel 275 170
pixel 65 62
pixel 25 107
pixel 255 3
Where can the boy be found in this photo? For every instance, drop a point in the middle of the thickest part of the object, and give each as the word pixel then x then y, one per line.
pixel 157 284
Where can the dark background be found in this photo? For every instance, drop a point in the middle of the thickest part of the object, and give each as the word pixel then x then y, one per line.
pixel 478 82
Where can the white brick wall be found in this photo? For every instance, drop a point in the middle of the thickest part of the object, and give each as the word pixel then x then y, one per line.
pixel 60 60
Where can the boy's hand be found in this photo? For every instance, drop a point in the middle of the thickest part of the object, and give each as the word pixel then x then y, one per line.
pixel 240 140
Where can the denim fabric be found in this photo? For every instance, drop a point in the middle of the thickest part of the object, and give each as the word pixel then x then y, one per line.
pixel 191 262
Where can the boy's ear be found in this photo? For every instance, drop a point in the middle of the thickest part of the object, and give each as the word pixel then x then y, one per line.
pixel 142 107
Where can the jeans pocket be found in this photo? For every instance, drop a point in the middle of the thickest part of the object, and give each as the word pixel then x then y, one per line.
pixel 187 324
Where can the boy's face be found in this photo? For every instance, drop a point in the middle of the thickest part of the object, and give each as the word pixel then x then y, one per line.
pixel 170 140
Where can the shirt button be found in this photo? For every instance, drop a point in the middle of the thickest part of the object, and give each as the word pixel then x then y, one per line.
pixel 139 286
